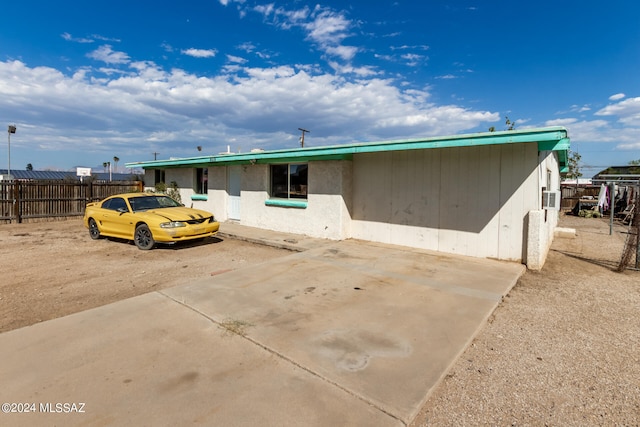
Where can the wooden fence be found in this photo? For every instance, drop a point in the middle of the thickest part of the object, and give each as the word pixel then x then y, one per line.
pixel 572 194
pixel 23 201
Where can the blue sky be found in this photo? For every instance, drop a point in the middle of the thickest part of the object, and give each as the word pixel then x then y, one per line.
pixel 86 81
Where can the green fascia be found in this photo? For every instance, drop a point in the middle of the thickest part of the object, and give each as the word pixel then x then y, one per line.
pixel 173 163
pixel 553 138
pixel 285 203
pixel 199 197
pixel 562 147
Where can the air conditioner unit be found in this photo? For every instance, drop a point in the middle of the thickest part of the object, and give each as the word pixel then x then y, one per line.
pixel 551 200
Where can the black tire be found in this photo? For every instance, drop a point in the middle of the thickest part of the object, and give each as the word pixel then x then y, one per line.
pixel 94 231
pixel 143 238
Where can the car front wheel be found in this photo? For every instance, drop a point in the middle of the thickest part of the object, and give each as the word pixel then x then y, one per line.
pixel 94 231
pixel 143 238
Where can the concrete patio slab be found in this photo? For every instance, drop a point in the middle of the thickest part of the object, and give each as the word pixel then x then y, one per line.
pixel 382 322
pixel 347 333
pixel 149 361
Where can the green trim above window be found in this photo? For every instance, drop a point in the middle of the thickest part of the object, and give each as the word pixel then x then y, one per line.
pixel 199 197
pixel 284 203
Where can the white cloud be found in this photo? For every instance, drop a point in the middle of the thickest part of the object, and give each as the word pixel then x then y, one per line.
pixel 384 57
pixel 228 2
pixel 616 97
pixel 200 53
pixel 344 52
pixel 105 54
pixel 599 131
pixel 249 47
pixel 69 38
pixel 580 109
pixel 236 59
pixel 561 122
pixel 627 110
pixel 413 59
pixel 366 71
pixel 266 9
pixel 326 28
pixel 149 108
pixel 413 47
pixel 629 146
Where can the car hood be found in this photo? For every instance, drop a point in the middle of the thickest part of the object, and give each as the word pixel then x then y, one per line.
pixel 178 213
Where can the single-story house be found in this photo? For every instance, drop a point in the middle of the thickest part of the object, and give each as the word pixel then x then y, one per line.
pixel 483 195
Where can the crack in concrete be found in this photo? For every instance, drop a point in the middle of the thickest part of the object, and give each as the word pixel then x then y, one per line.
pixel 287 359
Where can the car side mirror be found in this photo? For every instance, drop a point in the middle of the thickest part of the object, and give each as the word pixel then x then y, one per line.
pixel 122 210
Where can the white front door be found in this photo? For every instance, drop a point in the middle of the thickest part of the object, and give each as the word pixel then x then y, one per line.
pixel 233 189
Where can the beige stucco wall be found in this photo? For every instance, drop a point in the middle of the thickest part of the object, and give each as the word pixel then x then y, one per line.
pixel 542 223
pixel 482 201
pixel 327 212
pixel 185 178
pixel 470 201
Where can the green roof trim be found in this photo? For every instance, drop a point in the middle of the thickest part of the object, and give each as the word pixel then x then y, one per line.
pixel 548 139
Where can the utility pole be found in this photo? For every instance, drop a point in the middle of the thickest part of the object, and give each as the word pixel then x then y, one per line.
pixel 302 137
pixel 10 129
pixel 155 155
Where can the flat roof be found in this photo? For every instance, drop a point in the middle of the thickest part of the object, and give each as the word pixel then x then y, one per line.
pixel 548 139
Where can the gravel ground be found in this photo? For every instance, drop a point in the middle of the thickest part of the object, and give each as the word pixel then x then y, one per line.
pixel 563 348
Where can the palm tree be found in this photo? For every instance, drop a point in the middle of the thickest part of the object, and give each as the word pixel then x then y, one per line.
pixel 104 165
pixel 116 159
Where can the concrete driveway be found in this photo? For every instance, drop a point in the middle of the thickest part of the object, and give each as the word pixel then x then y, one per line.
pixel 346 333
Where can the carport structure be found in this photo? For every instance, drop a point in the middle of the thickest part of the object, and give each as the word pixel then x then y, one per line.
pixel 478 195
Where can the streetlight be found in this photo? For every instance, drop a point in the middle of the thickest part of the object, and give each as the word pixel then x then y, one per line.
pixel 11 129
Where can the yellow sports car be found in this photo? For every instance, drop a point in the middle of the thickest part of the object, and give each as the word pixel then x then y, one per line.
pixel 146 219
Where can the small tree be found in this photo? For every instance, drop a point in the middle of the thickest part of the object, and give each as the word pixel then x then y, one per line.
pixel 511 125
pixel 573 163
pixel 29 167
pixel 160 187
pixel 174 192
pixel 170 190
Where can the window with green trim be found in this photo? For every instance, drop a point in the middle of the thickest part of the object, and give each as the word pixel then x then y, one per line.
pixel 289 181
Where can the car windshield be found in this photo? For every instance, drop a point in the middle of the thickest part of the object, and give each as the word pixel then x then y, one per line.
pixel 144 203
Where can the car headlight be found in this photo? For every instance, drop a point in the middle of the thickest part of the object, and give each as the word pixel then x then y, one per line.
pixel 173 224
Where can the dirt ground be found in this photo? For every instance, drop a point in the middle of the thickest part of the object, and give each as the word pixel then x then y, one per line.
pixel 563 348
pixel 52 269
